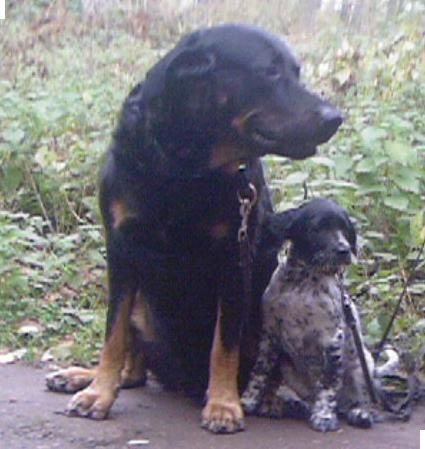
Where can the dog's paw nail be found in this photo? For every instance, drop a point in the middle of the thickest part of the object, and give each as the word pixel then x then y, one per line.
pixel 90 403
pixel 223 426
pixel 98 415
pixel 223 417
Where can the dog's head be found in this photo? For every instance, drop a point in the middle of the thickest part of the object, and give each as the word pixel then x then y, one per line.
pixel 232 93
pixel 321 233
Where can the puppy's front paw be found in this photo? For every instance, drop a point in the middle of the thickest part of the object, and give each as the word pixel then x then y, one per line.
pixel 324 420
pixel 223 416
pixel 249 402
pixel 359 417
pixel 91 403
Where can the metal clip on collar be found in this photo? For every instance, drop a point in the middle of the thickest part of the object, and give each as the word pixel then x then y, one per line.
pixel 246 204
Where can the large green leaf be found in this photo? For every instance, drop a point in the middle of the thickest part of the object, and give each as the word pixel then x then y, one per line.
pixel 371 134
pixel 13 135
pixel 323 160
pixel 297 177
pixel 366 165
pixel 397 202
pixel 11 178
pixel 407 180
pixel 400 151
pixel 417 228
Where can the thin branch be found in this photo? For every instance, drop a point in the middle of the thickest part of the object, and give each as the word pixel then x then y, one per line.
pixel 400 299
pixel 39 199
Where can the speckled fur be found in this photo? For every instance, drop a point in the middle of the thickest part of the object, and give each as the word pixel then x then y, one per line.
pixel 305 334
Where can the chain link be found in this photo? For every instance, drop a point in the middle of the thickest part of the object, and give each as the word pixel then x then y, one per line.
pixel 246 204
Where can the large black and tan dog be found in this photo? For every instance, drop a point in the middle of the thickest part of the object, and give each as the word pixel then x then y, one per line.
pixel 169 199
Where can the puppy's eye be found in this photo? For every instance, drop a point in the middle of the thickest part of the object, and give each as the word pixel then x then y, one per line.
pixel 272 72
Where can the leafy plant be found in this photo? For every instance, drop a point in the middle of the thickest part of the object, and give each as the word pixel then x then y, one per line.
pixel 63 79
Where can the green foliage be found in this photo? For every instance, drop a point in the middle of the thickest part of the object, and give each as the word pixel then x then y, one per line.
pixel 45 274
pixel 62 82
pixel 376 164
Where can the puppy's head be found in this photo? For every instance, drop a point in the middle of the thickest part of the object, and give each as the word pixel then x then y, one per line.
pixel 322 235
pixel 232 93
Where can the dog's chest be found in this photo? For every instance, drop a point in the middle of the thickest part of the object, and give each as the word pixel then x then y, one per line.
pixel 303 308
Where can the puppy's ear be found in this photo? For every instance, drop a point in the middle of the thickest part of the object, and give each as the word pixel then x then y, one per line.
pixel 190 64
pixel 281 226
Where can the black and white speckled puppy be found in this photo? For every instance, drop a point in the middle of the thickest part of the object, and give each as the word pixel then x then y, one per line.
pixel 307 364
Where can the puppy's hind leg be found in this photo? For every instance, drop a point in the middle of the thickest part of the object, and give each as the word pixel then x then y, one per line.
pixel 283 402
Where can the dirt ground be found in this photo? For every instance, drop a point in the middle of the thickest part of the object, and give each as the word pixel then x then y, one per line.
pixel 31 417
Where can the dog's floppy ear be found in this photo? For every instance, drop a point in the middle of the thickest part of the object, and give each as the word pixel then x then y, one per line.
pixel 281 226
pixel 190 64
pixel 190 91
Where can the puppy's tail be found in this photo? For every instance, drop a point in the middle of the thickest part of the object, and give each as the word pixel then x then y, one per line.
pixel 391 365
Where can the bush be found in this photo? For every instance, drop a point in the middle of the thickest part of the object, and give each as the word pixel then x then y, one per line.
pixel 64 78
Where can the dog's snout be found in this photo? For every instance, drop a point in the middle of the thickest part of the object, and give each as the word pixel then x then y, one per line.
pixel 331 118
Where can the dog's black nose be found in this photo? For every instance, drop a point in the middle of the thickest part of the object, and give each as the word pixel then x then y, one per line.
pixel 331 118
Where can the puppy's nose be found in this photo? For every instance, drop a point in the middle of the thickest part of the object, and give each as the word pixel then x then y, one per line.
pixel 343 249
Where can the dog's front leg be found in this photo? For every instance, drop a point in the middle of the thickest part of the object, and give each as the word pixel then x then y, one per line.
pixel 223 412
pixel 97 398
pixel 324 413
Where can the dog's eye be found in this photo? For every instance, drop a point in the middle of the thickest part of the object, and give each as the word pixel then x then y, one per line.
pixel 272 72
pixel 297 70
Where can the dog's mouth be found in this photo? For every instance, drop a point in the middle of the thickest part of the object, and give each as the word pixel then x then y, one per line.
pixel 331 261
pixel 294 139
pixel 269 143
pixel 261 137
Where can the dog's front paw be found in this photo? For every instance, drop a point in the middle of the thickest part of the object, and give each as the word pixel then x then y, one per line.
pixel 69 380
pixel 223 416
pixel 359 417
pixel 91 403
pixel 324 420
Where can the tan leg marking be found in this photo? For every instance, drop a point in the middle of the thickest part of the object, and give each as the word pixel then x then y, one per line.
pixel 141 317
pixel 96 399
pixel 223 412
pixel 134 372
